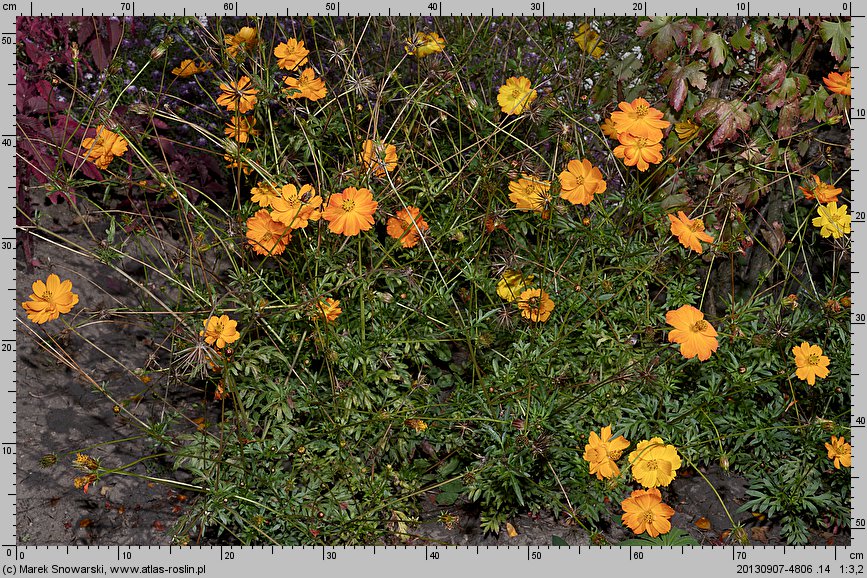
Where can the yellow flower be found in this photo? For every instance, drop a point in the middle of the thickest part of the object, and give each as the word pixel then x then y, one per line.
pixel 306 86
pixel 104 147
pixel 240 96
pixel 839 83
pixel 512 284
pixel 220 330
pixel 695 335
pixel 424 43
pixel 241 128
pixel 327 309
pixel 245 40
pixel 810 362
pixel 85 463
pixel 516 95
pixel 416 424
pixel 690 232
pixel 295 207
pixel 686 130
pixel 833 221
pixel 350 212
pixel 588 40
pixel 291 54
pixel 378 157
pixel 644 511
pixel 189 68
pixel 266 235
pixel 235 162
pixel 50 299
pixel 602 452
pixel 639 119
pixel 535 305
pixel 822 192
pixel 638 151
pixel 264 194
pixel 401 226
pixel 654 463
pixel 531 194
pixel 580 182
pixel 840 452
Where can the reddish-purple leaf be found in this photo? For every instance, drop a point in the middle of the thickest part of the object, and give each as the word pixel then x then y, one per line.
pixel 773 78
pixel 667 34
pixel 677 78
pixel 730 115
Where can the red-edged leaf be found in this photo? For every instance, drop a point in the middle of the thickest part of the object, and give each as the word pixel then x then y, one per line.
pixel 667 33
pixel 730 117
pixel 677 78
pixel 787 92
pixel 839 33
pixel 773 78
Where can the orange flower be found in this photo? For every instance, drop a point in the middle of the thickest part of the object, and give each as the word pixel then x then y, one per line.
pixel 401 226
pixel 608 128
pixel 639 119
pixel 580 182
pixel 241 128
pixel 240 96
pixel 603 452
pixel 291 54
pixel 535 305
pixel 104 147
pixel 839 83
pixel 531 194
pixel 810 362
pixel 264 194
pixel 350 212
pixel 327 309
pixel 638 151
pixel 306 86
pixel 840 452
pixel 50 299
pixel 516 95
pixel 189 68
pixel 695 335
pixel 235 162
pixel 822 192
pixel 378 157
pixel 644 511
pixel 245 40
pixel 295 207
pixel 266 235
pixel 690 232
pixel 220 330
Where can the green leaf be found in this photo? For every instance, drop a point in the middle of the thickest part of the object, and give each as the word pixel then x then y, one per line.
pixel 839 33
pixel 558 541
pixel 714 43
pixel 813 106
pixel 667 34
pixel 677 78
pixel 676 537
pixel 740 40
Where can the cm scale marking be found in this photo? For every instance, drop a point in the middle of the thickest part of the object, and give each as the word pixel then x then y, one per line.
pixel 423 561
pixel 434 561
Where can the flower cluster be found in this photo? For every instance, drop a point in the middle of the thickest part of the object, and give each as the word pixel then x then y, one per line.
pixel 638 126
pixel 535 304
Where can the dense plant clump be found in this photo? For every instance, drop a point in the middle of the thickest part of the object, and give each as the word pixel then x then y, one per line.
pixel 524 263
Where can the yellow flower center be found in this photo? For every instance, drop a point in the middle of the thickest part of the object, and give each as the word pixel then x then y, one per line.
pixel 641 111
pixel 697 226
pixel 348 205
pixel 580 181
pixel 640 143
pixel 47 295
pixel 218 327
pixel 813 359
pixel 648 517
pixel 534 302
pixel 699 326
pixel 517 93
pixel 615 454
pixel 652 465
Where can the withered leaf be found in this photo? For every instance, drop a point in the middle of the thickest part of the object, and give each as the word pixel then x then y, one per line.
pixel 667 34
pixel 775 237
